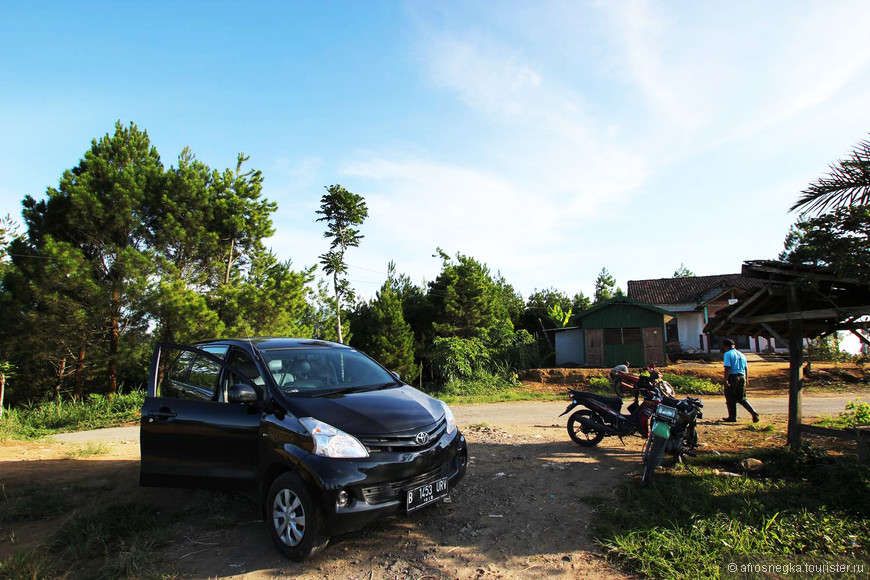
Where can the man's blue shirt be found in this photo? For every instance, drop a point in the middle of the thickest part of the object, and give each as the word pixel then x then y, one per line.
pixel 736 362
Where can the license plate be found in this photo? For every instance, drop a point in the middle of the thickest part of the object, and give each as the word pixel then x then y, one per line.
pixel 425 494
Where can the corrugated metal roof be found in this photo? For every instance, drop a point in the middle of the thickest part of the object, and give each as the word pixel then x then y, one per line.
pixel 695 289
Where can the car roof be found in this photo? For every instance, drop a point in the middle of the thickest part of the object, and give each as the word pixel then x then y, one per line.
pixel 269 343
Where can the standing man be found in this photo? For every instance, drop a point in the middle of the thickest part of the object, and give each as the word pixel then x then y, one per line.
pixel 735 382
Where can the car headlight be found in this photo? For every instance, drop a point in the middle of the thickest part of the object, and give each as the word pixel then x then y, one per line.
pixel 451 420
pixel 332 442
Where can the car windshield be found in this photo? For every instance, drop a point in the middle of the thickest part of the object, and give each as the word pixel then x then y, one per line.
pixel 316 371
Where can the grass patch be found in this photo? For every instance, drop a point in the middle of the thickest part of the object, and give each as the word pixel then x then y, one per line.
pixel 688 385
pixel 116 540
pixel 36 420
pixel 123 539
pixel 683 525
pixel 88 450
pixel 486 387
pixel 33 503
pixel 759 428
pixel 509 395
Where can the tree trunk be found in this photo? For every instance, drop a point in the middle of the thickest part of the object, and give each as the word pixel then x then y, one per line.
pixel 337 306
pixel 80 374
pixel 229 261
pixel 114 335
pixel 59 382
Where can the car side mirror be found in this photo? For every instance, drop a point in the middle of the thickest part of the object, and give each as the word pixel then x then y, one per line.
pixel 241 393
pixel 396 375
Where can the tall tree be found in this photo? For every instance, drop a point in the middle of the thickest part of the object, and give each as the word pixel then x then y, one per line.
pixel 605 286
pixel 123 250
pixel 683 272
pixel 580 302
pixel 464 299
pixel 839 240
pixel 98 209
pixel 342 211
pixel 847 184
pixel 391 339
pixel 539 306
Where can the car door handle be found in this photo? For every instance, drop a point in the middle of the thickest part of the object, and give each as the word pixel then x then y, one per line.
pixel 162 414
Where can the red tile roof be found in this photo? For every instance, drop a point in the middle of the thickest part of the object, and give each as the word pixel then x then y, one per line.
pixel 695 289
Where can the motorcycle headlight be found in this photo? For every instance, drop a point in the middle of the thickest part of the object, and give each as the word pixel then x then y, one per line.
pixel 451 420
pixel 666 412
pixel 332 442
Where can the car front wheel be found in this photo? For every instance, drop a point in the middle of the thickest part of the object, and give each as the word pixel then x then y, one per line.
pixel 292 517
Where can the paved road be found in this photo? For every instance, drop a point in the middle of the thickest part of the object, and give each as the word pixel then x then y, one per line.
pixel 534 413
pixel 530 414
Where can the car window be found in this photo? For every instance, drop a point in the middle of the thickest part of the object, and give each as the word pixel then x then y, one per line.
pixel 309 370
pixel 242 361
pixel 186 375
pixel 203 378
pixel 219 350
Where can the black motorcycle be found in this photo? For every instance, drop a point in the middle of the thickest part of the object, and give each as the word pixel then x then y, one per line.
pixel 674 430
pixel 602 416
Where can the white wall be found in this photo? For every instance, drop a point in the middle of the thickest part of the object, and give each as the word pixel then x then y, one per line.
pixel 690 325
pixel 570 347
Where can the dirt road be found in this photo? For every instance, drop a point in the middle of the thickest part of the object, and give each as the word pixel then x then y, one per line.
pixel 523 511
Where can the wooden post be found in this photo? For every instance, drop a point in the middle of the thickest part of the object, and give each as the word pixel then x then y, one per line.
pixel 795 382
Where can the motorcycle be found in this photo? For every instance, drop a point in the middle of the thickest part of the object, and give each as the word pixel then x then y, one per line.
pixel 627 382
pixel 602 416
pixel 674 430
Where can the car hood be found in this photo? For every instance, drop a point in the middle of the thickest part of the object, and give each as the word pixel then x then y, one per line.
pixel 391 410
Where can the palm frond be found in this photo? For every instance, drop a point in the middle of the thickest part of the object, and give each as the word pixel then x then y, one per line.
pixel 847 184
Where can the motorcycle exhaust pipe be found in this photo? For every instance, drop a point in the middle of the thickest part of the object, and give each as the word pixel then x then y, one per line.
pixel 586 422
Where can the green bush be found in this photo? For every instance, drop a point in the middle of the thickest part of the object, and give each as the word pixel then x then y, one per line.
pixel 857 413
pixel 687 385
pixel 600 385
pixel 35 420
pixel 459 358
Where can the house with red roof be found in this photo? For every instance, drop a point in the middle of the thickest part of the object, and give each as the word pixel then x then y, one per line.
pixel 693 301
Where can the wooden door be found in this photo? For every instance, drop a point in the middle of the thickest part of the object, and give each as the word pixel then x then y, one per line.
pixel 653 347
pixel 594 347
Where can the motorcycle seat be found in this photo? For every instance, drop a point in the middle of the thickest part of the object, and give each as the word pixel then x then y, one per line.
pixel 612 402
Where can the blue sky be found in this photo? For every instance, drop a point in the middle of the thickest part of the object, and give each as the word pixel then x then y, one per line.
pixel 546 139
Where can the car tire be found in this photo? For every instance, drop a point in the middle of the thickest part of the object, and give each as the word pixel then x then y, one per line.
pixel 292 517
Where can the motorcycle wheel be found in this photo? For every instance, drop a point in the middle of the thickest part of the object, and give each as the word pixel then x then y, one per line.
pixel 653 453
pixel 581 435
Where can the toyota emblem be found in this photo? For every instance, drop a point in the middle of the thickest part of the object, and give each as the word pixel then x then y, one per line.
pixel 422 438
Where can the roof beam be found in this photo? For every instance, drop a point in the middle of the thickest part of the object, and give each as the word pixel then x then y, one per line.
pixel 774 334
pixel 827 313
pixel 743 305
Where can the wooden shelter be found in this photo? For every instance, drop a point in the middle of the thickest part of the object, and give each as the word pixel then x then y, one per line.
pixel 795 303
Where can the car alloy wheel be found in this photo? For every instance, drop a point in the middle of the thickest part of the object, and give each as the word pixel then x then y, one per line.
pixel 294 519
pixel 288 517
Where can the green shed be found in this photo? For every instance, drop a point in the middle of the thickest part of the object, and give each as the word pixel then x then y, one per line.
pixel 622 329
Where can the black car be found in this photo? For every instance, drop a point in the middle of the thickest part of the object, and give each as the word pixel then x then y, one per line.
pixel 326 438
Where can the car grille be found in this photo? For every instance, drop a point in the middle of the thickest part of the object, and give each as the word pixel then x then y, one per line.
pixel 405 442
pixel 391 490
